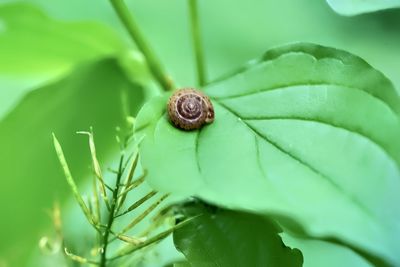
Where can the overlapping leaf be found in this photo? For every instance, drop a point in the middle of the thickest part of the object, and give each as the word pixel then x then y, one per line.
pixel 307 132
pixel 228 238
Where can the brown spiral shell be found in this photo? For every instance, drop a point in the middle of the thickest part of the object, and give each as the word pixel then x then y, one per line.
pixel 190 109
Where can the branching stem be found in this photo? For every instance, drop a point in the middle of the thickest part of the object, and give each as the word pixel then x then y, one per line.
pixel 111 216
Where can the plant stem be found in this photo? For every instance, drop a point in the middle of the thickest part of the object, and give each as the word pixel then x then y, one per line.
pixel 111 216
pixel 197 44
pixel 135 33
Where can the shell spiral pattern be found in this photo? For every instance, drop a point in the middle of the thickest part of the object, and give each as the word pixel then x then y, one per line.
pixel 190 109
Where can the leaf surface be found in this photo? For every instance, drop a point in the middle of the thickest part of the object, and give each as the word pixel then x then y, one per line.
pixel 355 7
pixel 307 132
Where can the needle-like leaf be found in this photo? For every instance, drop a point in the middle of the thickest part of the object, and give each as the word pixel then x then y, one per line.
pixel 132 248
pixel 79 259
pixel 132 185
pixel 143 215
pixel 71 182
pixel 129 178
pixel 138 203
pixel 96 165
pixel 131 239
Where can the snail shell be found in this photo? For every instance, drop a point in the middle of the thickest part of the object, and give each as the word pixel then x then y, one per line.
pixel 190 109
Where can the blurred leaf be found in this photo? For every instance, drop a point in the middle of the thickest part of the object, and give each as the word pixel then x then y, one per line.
pixel 355 7
pixel 228 238
pixel 320 253
pixel 89 96
pixel 374 36
pixel 307 132
pixel 32 43
pixel 35 48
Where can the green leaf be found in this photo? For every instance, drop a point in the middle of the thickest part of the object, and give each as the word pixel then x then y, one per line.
pixel 307 132
pixel 35 48
pixel 227 238
pixel 90 96
pixel 355 7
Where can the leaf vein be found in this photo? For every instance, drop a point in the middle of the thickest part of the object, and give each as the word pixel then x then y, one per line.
pixel 283 87
pixel 197 140
pixel 294 157
pixel 258 155
pixel 342 127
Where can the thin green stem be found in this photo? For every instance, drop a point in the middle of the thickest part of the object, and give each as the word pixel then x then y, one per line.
pixel 152 60
pixel 197 44
pixel 111 216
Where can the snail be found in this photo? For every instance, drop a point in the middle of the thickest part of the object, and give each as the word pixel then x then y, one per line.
pixel 190 109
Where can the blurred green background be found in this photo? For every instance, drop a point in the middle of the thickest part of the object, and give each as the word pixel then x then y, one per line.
pixel 63 68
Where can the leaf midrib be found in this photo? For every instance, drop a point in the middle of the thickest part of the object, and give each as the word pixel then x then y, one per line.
pixel 309 166
pixel 311 84
pixel 381 146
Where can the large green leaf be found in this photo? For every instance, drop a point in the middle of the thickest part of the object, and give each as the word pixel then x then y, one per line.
pixel 307 132
pixel 35 48
pixel 355 7
pixel 227 238
pixel 31 177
